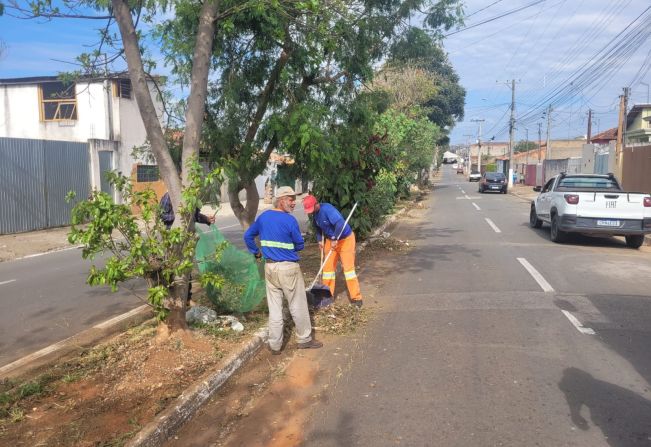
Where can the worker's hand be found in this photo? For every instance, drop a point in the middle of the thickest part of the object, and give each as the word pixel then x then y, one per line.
pixel 211 219
pixel 333 245
pixel 320 245
pixel 258 255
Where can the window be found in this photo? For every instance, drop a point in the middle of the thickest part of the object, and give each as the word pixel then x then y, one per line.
pixel 122 88
pixel 147 173
pixel 58 101
pixel 548 185
pixel 569 183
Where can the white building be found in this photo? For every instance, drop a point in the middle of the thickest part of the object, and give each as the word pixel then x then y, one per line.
pixel 45 108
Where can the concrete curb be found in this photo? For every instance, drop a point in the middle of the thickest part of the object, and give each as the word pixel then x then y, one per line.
pixel 381 228
pixel 89 337
pixel 168 422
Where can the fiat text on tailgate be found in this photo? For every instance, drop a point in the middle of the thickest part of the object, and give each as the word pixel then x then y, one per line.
pixel 591 204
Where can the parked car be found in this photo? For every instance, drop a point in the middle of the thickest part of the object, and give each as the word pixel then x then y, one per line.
pixel 455 166
pixel 591 204
pixel 474 176
pixel 493 181
pixel 459 169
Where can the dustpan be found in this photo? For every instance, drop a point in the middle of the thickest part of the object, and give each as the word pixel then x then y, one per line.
pixel 319 295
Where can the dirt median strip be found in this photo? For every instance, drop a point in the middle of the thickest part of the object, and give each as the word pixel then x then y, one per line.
pixel 157 432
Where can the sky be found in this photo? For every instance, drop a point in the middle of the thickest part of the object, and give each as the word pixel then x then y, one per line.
pixel 541 47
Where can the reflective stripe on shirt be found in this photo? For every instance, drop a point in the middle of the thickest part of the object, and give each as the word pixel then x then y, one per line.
pixel 275 244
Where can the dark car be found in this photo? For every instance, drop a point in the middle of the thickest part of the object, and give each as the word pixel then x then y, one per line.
pixel 493 181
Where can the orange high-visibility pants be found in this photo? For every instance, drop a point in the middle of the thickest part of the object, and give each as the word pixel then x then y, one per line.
pixel 345 250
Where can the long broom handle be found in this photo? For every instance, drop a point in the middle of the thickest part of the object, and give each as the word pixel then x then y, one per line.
pixel 331 249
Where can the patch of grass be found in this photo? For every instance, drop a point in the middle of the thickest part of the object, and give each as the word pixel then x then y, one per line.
pixel 16 415
pixel 72 377
pixel 29 389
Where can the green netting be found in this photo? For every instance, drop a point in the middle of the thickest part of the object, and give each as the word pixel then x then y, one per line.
pixel 244 288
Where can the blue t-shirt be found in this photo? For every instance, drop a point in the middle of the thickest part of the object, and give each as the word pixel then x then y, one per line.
pixel 280 236
pixel 329 222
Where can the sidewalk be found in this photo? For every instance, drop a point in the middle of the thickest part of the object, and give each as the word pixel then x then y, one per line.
pixel 14 246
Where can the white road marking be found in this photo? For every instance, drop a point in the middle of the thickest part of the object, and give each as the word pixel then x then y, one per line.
pixel 577 324
pixel 462 191
pixel 467 197
pixel 542 282
pixel 119 318
pixel 492 224
pixel 36 255
pixel 228 226
pixel 2 283
pixel 476 206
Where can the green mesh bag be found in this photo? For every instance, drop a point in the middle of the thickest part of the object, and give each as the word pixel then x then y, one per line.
pixel 244 288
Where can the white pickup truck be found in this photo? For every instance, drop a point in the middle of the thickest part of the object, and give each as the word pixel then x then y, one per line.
pixel 591 204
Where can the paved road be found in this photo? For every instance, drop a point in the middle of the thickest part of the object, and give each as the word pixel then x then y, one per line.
pixel 46 298
pixel 490 334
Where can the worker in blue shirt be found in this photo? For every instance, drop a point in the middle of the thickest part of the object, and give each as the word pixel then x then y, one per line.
pixel 280 239
pixel 334 234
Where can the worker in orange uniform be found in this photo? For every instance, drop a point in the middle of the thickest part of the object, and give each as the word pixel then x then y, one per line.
pixel 333 233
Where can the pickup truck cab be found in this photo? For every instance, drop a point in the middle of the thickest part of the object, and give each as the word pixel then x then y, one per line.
pixel 591 204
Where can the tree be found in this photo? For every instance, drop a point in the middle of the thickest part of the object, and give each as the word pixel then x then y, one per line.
pixel 283 69
pixel 122 13
pixel 524 146
pixel 416 48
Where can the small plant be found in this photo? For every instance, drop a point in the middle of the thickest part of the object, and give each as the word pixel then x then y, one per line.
pixel 16 415
pixel 141 246
pixel 30 389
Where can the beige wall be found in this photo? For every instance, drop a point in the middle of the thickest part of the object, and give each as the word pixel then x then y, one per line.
pixel 636 167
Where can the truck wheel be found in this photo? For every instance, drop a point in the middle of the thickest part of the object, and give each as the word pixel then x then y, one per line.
pixel 534 222
pixel 557 235
pixel 635 241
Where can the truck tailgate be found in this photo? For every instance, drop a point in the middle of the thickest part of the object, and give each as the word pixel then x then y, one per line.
pixel 615 205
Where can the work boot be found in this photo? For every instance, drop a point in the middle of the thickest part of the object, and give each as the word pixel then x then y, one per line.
pixel 312 344
pixel 357 303
pixel 273 351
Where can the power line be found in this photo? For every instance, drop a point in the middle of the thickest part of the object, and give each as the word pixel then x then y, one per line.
pixel 483 22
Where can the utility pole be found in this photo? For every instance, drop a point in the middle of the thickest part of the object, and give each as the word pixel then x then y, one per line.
pixel 589 137
pixel 526 163
pixel 621 129
pixel 539 141
pixel 511 129
pixel 468 154
pixel 548 155
pixel 480 121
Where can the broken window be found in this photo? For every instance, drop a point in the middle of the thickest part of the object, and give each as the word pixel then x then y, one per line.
pixel 122 88
pixel 58 101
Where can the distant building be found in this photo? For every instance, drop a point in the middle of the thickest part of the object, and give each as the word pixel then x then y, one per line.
pixel 99 111
pixel 638 124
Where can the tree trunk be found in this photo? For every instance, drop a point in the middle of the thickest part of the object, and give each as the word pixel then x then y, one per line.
pixel 145 103
pixel 245 214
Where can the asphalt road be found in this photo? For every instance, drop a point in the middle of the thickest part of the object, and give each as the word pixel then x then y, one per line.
pixel 490 334
pixel 46 298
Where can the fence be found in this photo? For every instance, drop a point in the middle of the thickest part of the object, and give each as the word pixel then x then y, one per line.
pixel 636 166
pixel 35 176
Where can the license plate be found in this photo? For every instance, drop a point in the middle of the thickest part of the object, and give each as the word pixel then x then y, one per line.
pixel 495 187
pixel 608 223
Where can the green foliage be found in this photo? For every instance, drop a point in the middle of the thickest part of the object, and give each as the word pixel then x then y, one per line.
pixel 524 146
pixel 140 246
pixel 491 167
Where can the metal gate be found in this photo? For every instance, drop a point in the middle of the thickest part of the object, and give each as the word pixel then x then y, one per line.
pixel 105 165
pixel 35 176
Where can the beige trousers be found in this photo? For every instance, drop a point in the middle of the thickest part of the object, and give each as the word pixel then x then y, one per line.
pixel 284 279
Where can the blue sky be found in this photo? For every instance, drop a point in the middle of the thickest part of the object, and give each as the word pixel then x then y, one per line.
pixel 539 47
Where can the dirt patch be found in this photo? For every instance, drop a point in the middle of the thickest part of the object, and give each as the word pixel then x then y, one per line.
pixel 105 396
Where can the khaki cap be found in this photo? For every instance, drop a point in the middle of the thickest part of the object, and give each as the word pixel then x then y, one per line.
pixel 284 191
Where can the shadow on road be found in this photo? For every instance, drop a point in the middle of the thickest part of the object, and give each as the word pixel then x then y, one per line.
pixel 343 435
pixel 583 240
pixel 623 416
